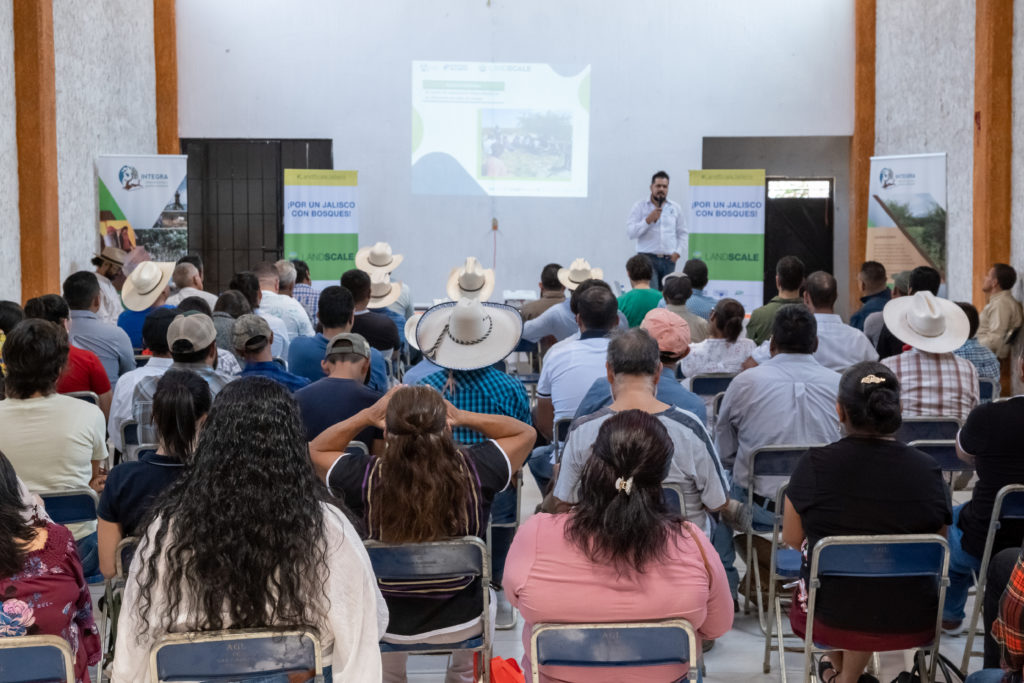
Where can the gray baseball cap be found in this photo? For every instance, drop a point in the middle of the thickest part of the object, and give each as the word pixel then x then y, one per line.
pixel 190 332
pixel 347 342
pixel 250 333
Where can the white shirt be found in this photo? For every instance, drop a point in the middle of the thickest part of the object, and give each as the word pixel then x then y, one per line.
pixel 839 345
pixel 354 623
pixel 716 355
pixel 110 301
pixel 665 236
pixel 281 339
pixel 186 292
pixel 295 318
pixel 568 372
pixel 227 364
pixel 790 400
pixel 124 391
pixel 560 323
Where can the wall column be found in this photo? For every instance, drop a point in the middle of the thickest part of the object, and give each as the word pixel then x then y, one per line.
pixel 165 50
pixel 862 144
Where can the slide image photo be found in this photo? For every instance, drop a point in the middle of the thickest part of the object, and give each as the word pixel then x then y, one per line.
pixel 525 144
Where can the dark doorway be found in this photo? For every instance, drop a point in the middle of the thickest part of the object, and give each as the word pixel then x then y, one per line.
pixel 798 221
pixel 235 190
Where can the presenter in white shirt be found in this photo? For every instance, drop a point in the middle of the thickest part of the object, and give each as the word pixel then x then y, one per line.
pixel 657 226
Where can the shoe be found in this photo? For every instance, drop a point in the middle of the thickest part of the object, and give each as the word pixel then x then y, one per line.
pixel 504 618
pixel 707 645
pixel 867 678
pixel 737 516
pixel 952 628
pixel 826 670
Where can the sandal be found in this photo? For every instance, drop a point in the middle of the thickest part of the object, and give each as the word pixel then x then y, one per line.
pixel 824 666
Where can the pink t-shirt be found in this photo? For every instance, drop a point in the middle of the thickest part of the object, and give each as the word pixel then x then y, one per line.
pixel 550 580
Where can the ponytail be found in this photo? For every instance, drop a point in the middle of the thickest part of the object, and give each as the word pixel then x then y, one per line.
pixel 729 316
pixel 182 398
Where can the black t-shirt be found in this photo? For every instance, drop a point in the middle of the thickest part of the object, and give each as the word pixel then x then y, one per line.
pixel 328 401
pixel 132 487
pixel 378 330
pixel 991 437
pixel 416 615
pixel 888 344
pixel 870 486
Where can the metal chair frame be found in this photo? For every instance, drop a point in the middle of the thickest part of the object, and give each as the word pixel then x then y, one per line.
pixel 559 434
pixel 718 382
pixel 673 496
pixel 87 396
pixel 69 493
pixel 944 453
pixel 125 550
pixel 15 650
pixel 517 481
pixel 359 446
pixel 993 389
pixel 774 620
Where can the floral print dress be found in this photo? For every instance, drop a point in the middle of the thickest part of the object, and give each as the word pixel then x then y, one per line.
pixel 49 596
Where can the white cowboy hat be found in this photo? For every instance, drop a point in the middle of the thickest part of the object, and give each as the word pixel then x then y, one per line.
pixel 383 292
pixel 145 284
pixel 377 258
pixel 410 330
pixel 113 255
pixel 468 334
pixel 470 281
pixel 577 272
pixel 927 322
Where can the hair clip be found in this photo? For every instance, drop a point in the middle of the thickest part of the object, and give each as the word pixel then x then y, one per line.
pixel 872 379
pixel 625 485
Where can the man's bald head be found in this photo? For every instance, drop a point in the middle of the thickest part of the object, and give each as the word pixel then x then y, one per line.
pixel 820 291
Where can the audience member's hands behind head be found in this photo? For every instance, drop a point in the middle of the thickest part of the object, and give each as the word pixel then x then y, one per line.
pixel 869 400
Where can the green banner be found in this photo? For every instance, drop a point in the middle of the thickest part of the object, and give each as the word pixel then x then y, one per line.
pixel 730 257
pixel 328 255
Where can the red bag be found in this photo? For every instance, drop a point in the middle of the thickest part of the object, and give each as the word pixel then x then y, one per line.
pixel 502 670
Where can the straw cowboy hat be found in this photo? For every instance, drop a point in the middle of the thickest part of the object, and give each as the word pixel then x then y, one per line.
pixel 470 281
pixel 927 322
pixel 577 272
pixel 468 334
pixel 410 330
pixel 383 292
pixel 377 258
pixel 145 284
pixel 112 255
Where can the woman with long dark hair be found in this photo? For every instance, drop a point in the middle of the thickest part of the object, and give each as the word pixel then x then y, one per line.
pixel 424 488
pixel 180 405
pixel 247 538
pixel 620 554
pixel 42 587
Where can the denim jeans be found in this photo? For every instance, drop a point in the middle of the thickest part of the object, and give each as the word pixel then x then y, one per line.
pixel 986 676
pixel 541 466
pixel 661 266
pixel 503 510
pixel 88 553
pixel 962 567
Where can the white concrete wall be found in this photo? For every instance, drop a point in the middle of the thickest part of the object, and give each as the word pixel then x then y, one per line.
pixel 664 75
pixel 106 104
pixel 924 102
pixel 10 258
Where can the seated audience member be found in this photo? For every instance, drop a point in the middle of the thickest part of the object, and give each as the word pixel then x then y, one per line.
pixel 620 554
pixel 109 342
pixel 383 293
pixel 303 561
pixel 425 367
pixel 53 441
pixel 921 279
pixel 470 281
pixel 934 382
pixel 677 290
pixel 985 362
pixel 227 360
pixel 147 288
pixel 570 368
pixel 180 405
pixel 196 260
pixel 109 274
pixel 723 351
pixel 874 292
pixel 789 275
pixel 42 585
pixel 1004 619
pixel 306 355
pixel 874 323
pixel 671 334
pixel 252 342
pixel 342 392
pixel 699 303
pixel 378 329
pixel 188 283
pixel 559 321
pixel 230 306
pixel 246 283
pixel 837 490
pixel 84 371
pixel 1002 315
pixel 10 315
pixel 296 320
pixel 154 336
pixel 641 298
pixel 990 445
pixel 552 293
pixel 423 487
pixel 379 258
pixel 303 290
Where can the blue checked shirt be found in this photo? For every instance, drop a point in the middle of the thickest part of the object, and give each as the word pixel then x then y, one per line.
pixel 309 298
pixel 701 304
pixel 983 358
pixel 487 390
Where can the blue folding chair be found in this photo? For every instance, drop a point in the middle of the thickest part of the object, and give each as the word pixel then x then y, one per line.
pixel 517 482
pixel 1009 505
pixel 944 453
pixel 358 446
pixel 988 389
pixel 711 384
pixel 87 396
pixel 877 557
pixel 140 361
pixel 438 560
pixel 31 659
pixel 928 429
pixel 561 433
pixel 673 496
pixel 784 565
pixel 70 506
pixel 632 644
pixel 113 593
pixel 254 654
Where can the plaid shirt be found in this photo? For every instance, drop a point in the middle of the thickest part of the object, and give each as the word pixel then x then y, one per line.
pixel 487 390
pixel 1008 629
pixel 984 360
pixel 935 384
pixel 309 298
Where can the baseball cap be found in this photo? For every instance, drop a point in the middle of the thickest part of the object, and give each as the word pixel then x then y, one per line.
pixel 250 333
pixel 190 332
pixel 668 329
pixel 347 342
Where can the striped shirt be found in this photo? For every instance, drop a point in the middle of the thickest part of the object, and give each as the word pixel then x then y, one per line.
pixel 984 360
pixel 935 384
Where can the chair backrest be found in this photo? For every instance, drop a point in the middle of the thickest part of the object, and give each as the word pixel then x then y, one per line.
pixel 87 396
pixel 988 389
pixel 30 659
pixel 140 361
pixel 561 430
pixel 230 655
pixel 1009 503
pixel 130 433
pixel 124 555
pixel 710 384
pixel 944 453
pixel 776 461
pixel 280 361
pixel 358 446
pixel 466 556
pixel 880 556
pixel 632 644
pixel 70 506
pixel 928 429
pixel 673 496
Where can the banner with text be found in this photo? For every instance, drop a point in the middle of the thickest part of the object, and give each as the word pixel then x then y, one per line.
pixel 143 202
pixel 726 224
pixel 321 221
pixel 907 212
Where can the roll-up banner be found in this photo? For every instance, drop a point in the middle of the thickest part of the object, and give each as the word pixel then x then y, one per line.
pixel 321 221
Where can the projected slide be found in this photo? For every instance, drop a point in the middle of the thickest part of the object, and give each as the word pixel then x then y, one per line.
pixel 511 130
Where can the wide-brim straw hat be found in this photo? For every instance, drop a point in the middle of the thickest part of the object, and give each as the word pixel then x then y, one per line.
pixel 410 330
pixel 578 271
pixel 112 255
pixel 470 281
pixel 383 292
pixel 145 284
pixel 378 258
pixel 926 322
pixel 468 334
